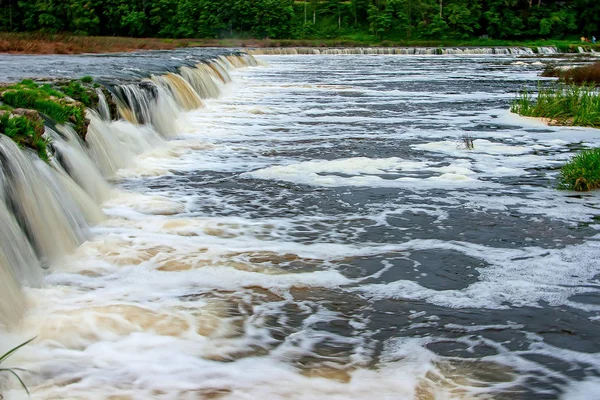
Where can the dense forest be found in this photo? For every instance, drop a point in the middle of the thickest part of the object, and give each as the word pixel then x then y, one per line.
pixel 306 19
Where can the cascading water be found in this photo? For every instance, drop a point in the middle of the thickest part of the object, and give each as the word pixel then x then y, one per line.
pixel 51 219
pixel 46 209
pixel 205 81
pixel 404 51
pixel 187 98
pixel 103 107
pixel 74 159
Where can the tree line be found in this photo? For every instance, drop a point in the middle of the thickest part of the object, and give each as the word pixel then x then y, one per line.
pixel 306 19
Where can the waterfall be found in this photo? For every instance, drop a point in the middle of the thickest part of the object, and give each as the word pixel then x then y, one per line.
pixel 77 163
pixel 113 145
pixel 404 51
pixel 205 81
pixel 12 305
pixel 51 219
pixel 47 207
pixel 16 251
pixel 103 108
pixel 187 98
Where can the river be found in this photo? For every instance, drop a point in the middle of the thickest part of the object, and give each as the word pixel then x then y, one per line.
pixel 321 230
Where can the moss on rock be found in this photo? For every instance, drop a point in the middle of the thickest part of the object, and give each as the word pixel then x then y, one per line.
pixel 26 128
pixel 46 100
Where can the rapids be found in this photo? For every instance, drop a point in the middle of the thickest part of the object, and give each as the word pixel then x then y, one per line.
pixel 316 229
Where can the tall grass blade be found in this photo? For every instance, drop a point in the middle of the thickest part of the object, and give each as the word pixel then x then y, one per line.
pixel 11 351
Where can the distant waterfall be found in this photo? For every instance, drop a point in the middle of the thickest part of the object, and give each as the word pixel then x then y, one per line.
pixel 406 50
pixel 47 208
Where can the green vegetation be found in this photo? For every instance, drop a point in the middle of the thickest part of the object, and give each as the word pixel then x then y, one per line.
pixel 26 132
pixel 353 20
pixel 583 75
pixel 12 371
pixel 569 104
pixel 562 105
pixel 25 103
pixel 77 91
pixel 50 102
pixel 582 172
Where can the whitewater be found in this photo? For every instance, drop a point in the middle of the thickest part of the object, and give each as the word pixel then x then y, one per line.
pixel 301 227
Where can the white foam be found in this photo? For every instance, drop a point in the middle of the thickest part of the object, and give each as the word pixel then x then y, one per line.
pixel 370 172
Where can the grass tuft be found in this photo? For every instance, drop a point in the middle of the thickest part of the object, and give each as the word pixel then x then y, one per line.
pixel 571 105
pixel 582 172
pixel 43 98
pixel 468 142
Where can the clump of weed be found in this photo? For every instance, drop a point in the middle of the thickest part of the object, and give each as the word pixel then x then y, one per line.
pixel 77 91
pixel 551 71
pixel 468 141
pixel 582 172
pixel 26 132
pixel 87 79
pixel 562 105
pixel 587 74
pixel 43 98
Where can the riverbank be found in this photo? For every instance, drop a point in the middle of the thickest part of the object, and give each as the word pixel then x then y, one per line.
pixel 40 43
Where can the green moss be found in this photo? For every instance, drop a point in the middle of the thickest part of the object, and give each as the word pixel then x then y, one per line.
pixel 51 102
pixel 25 132
pixel 87 79
pixel 81 93
pixel 582 172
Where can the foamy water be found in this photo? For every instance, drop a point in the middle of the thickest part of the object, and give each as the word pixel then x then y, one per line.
pixel 321 231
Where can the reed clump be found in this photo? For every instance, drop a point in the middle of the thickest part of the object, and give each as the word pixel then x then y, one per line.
pixel 570 105
pixel 582 172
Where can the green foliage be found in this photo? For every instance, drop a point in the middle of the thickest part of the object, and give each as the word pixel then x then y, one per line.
pixel 308 19
pixel 563 105
pixel 87 79
pixel 12 371
pixel 51 102
pixel 25 132
pixel 77 91
pixel 582 172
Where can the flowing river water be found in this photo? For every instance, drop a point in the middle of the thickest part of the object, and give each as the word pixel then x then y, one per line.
pixel 320 230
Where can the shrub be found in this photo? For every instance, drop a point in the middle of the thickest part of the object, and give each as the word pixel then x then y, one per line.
pixel 586 74
pixel 582 172
pixel 87 79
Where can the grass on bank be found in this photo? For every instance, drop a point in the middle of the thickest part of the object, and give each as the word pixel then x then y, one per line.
pixel 569 105
pixel 26 133
pixel 49 101
pixel 582 172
